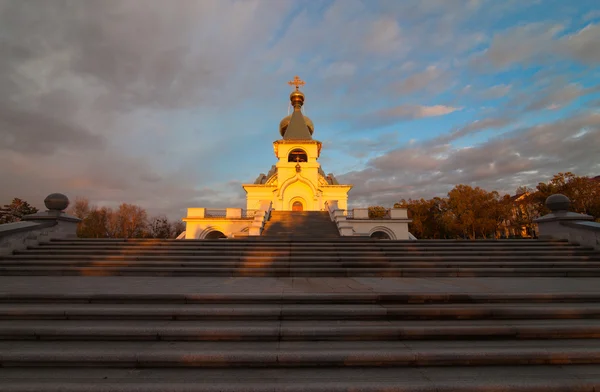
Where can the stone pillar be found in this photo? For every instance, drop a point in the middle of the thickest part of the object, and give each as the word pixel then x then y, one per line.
pixel 360 213
pixel 551 226
pixel 233 213
pixel 398 213
pixel 66 225
pixel 196 212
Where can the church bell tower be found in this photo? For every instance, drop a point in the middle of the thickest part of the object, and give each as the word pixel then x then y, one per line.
pixel 296 182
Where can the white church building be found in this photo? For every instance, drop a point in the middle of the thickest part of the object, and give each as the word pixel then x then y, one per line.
pixel 296 183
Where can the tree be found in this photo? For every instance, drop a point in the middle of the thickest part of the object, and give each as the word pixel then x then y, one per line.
pixel 95 224
pixel 377 212
pixel 81 208
pixel 14 211
pixel 160 227
pixel 130 221
pixel 178 228
pixel 583 192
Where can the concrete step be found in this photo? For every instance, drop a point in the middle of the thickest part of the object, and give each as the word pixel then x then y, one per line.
pixel 276 330
pixel 296 272
pixel 329 298
pixel 310 252
pixel 336 311
pixel 310 248
pixel 315 240
pixel 419 299
pixel 259 245
pixel 295 354
pixel 286 224
pixel 293 263
pixel 577 378
pixel 374 256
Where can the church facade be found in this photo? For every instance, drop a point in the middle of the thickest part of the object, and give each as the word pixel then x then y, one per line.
pixel 295 183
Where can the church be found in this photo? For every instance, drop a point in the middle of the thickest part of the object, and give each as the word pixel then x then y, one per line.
pixel 295 184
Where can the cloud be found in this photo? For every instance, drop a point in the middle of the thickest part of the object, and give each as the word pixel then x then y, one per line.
pixel 554 95
pixel 497 91
pixel 384 36
pixel 341 69
pixel 472 128
pixel 34 132
pixel 584 45
pixel 401 113
pixel 419 80
pixel 536 43
pixel 80 80
pixel 591 15
pixel 521 157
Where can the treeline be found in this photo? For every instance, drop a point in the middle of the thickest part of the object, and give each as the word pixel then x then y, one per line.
pixel 471 213
pixel 126 221
pixel 14 211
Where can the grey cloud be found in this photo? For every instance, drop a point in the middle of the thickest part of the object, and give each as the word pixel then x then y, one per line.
pixel 541 43
pixel 556 98
pixel 400 113
pixel 584 45
pixel 76 78
pixel 472 128
pixel 144 52
pixel 521 157
pixel 556 94
pixel 419 80
pixel 497 91
pixel 35 132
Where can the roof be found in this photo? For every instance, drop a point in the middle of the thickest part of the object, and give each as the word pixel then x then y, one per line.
pixel 297 129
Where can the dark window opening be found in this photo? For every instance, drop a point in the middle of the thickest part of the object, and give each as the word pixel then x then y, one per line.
pixel 297 155
pixel 380 235
pixel 215 235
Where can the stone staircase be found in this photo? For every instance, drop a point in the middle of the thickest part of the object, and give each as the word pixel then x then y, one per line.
pixel 300 224
pixel 257 316
pixel 305 258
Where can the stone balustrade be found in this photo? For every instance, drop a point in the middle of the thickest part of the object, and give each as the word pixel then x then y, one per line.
pixel 560 224
pixel 261 216
pixel 39 227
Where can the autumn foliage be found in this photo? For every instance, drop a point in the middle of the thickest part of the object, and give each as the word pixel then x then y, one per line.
pixel 472 213
pixel 466 212
pixel 127 221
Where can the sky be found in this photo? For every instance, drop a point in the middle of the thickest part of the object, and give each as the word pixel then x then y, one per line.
pixel 175 104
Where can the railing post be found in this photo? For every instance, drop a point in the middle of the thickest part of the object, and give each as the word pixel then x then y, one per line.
pixel 233 213
pixel 196 212
pixel 66 225
pixel 360 213
pixel 553 225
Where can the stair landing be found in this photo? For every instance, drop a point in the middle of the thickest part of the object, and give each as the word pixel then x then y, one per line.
pixel 300 224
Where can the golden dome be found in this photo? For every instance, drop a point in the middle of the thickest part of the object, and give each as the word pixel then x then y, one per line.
pixel 297 98
pixel 286 121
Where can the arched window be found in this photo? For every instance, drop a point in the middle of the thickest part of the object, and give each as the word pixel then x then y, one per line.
pixel 297 206
pixel 297 155
pixel 380 235
pixel 215 235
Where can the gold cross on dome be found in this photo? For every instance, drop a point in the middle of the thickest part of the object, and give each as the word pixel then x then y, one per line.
pixel 297 82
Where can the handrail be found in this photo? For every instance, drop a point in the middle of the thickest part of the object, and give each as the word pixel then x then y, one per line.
pixel 338 217
pixel 261 216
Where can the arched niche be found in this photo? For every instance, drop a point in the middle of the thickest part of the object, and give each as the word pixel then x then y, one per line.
pixel 215 235
pixel 297 155
pixel 382 233
pixel 297 204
